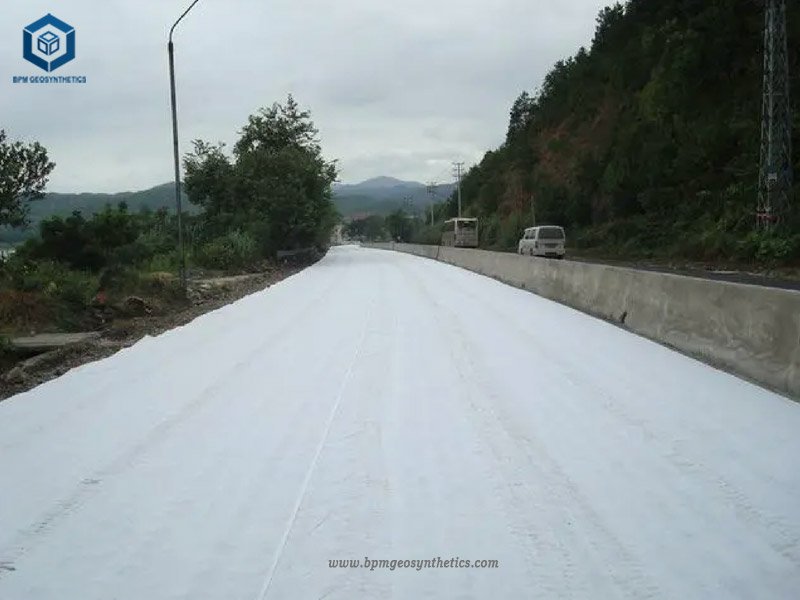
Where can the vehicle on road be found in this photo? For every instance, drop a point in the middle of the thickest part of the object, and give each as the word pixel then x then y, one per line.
pixel 545 240
pixel 461 233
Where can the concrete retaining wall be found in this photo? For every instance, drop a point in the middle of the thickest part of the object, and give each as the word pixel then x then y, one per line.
pixel 748 330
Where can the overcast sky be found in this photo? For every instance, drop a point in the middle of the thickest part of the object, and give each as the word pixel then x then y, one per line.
pixel 396 88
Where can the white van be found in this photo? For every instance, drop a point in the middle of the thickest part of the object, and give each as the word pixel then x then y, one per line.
pixel 545 240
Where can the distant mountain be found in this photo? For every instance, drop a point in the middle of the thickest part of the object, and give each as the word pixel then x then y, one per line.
pixel 55 204
pixel 161 196
pixel 382 195
pixel 389 184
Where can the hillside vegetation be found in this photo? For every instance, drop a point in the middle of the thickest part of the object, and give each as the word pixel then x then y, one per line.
pixel 64 205
pixel 87 262
pixel 647 143
pixel 379 196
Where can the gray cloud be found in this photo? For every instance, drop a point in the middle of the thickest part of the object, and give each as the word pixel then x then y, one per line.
pixel 395 88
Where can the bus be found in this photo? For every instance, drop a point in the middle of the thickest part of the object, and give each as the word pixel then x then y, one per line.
pixel 461 233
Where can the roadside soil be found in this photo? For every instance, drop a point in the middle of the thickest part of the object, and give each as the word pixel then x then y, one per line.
pixel 19 373
pixel 785 277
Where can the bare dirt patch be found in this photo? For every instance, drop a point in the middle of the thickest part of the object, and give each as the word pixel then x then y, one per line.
pixel 140 317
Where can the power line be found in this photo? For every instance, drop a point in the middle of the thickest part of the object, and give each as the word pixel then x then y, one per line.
pixel 775 170
pixel 443 173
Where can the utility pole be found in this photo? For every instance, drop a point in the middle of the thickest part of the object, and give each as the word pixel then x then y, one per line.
pixel 775 173
pixel 432 194
pixel 459 168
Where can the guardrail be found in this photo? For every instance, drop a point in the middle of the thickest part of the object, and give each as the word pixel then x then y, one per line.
pixel 751 331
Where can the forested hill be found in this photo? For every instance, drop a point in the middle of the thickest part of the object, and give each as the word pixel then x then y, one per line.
pixel 378 196
pixel 383 195
pixel 62 205
pixel 647 143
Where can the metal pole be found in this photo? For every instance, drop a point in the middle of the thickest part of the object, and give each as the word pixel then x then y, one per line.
pixel 775 172
pixel 459 166
pixel 459 190
pixel 431 194
pixel 459 194
pixel 176 151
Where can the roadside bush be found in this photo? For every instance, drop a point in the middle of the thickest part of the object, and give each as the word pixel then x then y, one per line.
pixel 163 263
pixel 162 284
pixel 8 357
pixel 46 276
pixel 155 287
pixel 140 251
pixel 427 234
pixel 489 230
pixel 45 294
pixel 511 230
pixel 235 250
pixel 131 254
pixel 768 247
pixel 244 246
pixel 591 237
pixel 262 233
pixel 216 254
pixel 67 241
pixel 111 238
pixel 774 248
pixel 71 292
pixel 119 278
pixel 22 311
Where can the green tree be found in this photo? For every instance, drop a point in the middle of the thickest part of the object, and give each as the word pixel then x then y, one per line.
pixel 371 228
pixel 277 187
pixel 647 142
pixel 24 171
pixel 520 115
pixel 400 226
pixel 209 178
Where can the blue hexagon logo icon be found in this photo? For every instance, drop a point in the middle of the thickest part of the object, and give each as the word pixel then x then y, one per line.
pixel 55 43
pixel 48 43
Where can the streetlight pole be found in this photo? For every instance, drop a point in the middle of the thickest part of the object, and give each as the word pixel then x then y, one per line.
pixel 171 50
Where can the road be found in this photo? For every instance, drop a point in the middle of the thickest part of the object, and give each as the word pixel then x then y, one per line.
pixel 383 406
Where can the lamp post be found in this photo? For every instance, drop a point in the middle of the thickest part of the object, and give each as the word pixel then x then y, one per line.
pixel 171 50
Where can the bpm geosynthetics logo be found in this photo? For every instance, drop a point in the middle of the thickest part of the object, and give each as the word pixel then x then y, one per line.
pixel 48 43
pixel 54 43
